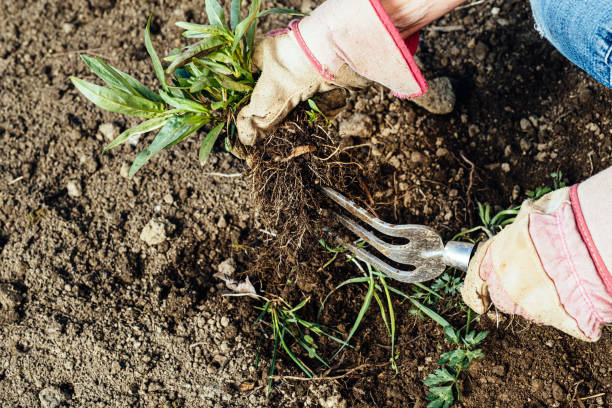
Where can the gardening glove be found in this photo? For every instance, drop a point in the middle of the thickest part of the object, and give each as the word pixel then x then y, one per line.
pixel 343 43
pixel 552 264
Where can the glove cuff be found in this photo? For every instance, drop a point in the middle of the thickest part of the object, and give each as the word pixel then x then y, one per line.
pixel 360 33
pixel 567 260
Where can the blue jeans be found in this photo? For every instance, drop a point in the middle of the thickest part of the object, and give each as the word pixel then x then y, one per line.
pixel 581 30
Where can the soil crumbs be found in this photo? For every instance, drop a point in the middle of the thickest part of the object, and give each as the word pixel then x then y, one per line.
pixel 96 313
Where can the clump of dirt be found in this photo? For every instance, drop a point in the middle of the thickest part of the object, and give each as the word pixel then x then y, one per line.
pixel 287 170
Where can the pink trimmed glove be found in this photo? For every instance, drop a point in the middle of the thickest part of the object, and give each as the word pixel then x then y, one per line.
pixel 343 43
pixel 551 265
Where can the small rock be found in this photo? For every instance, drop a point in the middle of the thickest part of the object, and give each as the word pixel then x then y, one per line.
pixel 221 223
pixel 125 170
pixel 154 232
pixel 541 156
pixel 557 392
pixel 536 385
pixel 505 167
pixel 89 162
pixel 307 6
pixel 225 321
pixel 50 397
pixel 441 152
pixel 358 125
pixel 525 145
pixel 67 28
pixel 525 124
pixel 416 157
pixel 499 370
pixel 495 11
pixel 440 99
pixel 593 127
pixel 334 401
pixel 473 130
pixel 101 4
pixel 395 162
pixel 109 131
pixel 74 190
pixel 168 199
pixel 227 267
pixel 481 50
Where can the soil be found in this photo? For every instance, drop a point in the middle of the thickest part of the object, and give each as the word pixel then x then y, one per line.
pixel 93 316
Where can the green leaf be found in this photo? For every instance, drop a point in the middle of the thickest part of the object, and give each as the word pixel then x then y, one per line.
pixel 272 363
pixel 183 103
pixel 118 101
pixel 234 86
pixel 244 25
pixel 364 308
pixel 157 66
pixel 451 334
pixel 220 56
pixel 442 397
pixel 216 67
pixel 250 37
pixel 433 315
pixel 209 30
pixel 173 131
pixel 288 11
pixel 234 14
pixel 209 141
pixel 219 105
pixel 106 73
pixel 203 82
pixel 194 50
pixel 300 305
pixel 215 13
pixel 452 358
pixel 118 79
pixel 144 127
pixel 439 376
pixel 313 106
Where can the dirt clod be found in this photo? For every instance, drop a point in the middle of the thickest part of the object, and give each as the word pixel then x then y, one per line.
pixel 154 232
pixel 50 397
pixel 440 99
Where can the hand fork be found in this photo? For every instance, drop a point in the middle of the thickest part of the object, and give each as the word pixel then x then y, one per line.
pixel 425 253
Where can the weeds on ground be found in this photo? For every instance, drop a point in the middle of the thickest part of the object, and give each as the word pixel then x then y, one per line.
pixel 286 329
pixel 492 224
pixel 443 383
pixel 378 289
pixel 209 81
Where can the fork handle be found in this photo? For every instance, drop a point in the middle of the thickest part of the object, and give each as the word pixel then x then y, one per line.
pixel 458 254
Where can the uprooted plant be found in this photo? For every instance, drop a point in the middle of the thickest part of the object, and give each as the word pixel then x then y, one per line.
pixel 209 81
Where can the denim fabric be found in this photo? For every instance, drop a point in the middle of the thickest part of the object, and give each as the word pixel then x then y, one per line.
pixel 581 30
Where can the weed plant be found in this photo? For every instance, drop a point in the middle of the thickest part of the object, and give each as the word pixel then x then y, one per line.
pixel 378 289
pixel 444 382
pixel 286 329
pixel 205 83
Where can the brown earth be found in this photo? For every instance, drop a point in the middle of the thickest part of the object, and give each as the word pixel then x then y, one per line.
pixel 92 316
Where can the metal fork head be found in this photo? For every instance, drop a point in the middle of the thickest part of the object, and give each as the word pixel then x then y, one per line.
pixel 423 253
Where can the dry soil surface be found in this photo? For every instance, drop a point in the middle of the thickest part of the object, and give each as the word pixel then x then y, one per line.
pixel 92 315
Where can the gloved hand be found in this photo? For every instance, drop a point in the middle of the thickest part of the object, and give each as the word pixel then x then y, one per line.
pixel 342 43
pixel 548 265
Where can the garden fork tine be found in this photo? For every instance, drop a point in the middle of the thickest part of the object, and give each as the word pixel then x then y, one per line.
pixel 425 253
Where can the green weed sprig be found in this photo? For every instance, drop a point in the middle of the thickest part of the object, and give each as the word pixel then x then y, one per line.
pixel 445 379
pixel 205 83
pixel 379 290
pixel 287 328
